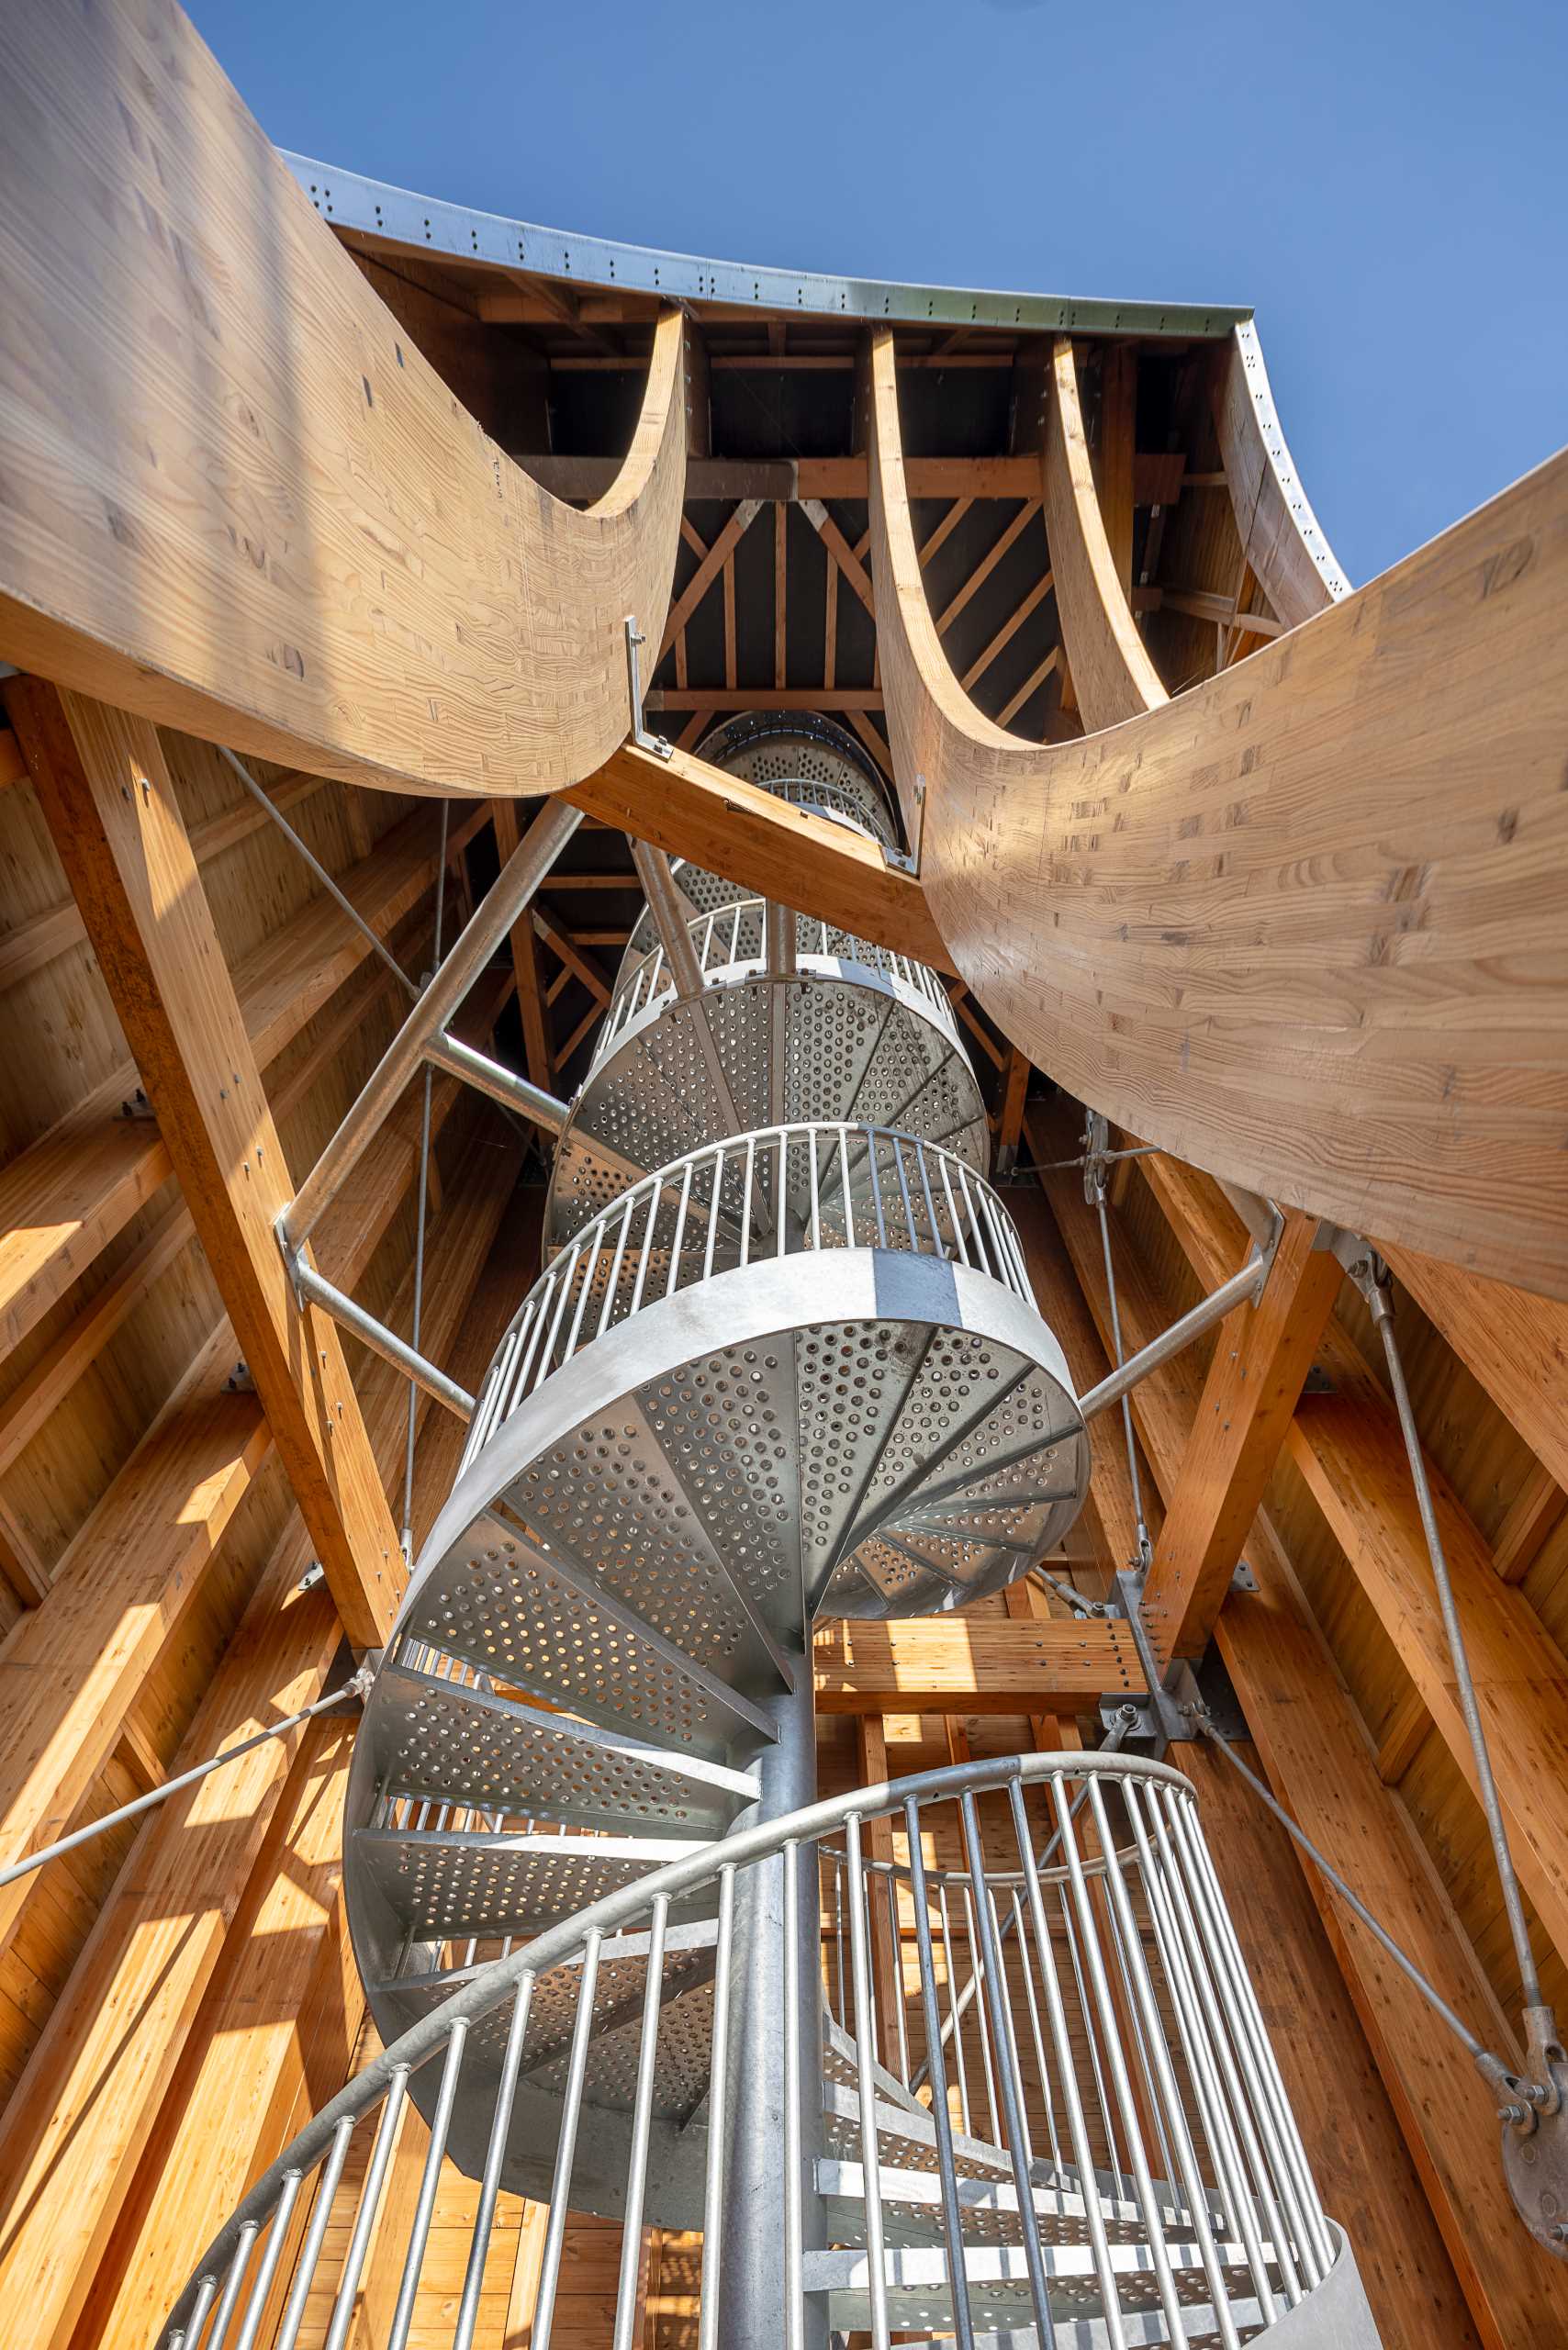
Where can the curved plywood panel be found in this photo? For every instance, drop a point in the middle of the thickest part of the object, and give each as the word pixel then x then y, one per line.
pixel 1279 535
pixel 1111 672
pixel 1304 925
pixel 234 498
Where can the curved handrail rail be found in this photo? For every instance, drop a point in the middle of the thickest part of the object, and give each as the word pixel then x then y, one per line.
pixel 503 1978
pixel 1214 922
pixel 855 1186
pixel 733 937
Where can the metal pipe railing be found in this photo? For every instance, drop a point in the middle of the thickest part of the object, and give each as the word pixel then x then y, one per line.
pixel 1186 2173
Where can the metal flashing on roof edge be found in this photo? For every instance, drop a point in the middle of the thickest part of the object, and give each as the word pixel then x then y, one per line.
pixel 349 200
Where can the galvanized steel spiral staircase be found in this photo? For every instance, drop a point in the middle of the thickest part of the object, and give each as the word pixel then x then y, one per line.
pixel 793 1370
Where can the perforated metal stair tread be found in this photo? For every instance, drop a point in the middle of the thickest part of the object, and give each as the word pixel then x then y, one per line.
pixel 436 1738
pixel 446 1884
pixel 919 2286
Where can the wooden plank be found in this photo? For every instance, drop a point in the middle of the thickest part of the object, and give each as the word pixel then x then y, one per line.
pixel 689 808
pixel 397 598
pixel 1101 897
pixel 1115 677
pixel 970 1664
pixel 1261 1361
pixel 106 790
pixel 1535 1509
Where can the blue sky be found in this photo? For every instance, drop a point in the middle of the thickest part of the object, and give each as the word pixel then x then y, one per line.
pixel 1384 183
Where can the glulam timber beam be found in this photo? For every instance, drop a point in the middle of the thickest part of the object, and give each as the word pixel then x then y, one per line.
pixel 1112 672
pixel 1350 1452
pixel 1261 1357
pixel 537 1052
pixel 688 809
pixel 973 1665
pixel 1101 897
pixel 1323 1768
pixel 66 1197
pixel 106 790
pixel 296 544
pixel 1282 542
pixel 1514 1342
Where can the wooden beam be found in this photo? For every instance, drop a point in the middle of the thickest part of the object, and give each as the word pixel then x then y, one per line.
pixel 106 793
pixel 1015 1093
pixel 736 697
pixel 1535 1509
pixel 975 580
pixel 1030 686
pixel 1261 1359
pixel 1007 631
pixel 1320 1760
pixel 708 570
pixel 1514 1342
pixel 1112 671
pixel 780 595
pixel 1116 454
pixel 726 480
pixel 689 808
pixel 841 557
pixel 971 1666
pixel 582 966
pixel 1349 1449
pixel 106 2060
pixel 525 963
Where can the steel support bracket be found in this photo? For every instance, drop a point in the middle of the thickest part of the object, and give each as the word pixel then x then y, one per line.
pixel 640 734
pixel 908 860
pixel 1169 1710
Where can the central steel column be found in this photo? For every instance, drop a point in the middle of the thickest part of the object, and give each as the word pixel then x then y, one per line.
pixel 753 2257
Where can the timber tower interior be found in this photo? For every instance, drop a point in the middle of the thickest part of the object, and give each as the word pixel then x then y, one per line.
pixel 783 1301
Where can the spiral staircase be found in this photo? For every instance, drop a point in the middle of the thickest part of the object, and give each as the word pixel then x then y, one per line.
pixel 783 1364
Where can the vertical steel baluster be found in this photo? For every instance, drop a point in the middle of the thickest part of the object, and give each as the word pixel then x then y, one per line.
pixel 977 1976
pixel 277 2236
pixel 495 2156
pixel 1204 2035
pixel 1067 2067
pixel 1012 2087
pixel 746 1190
pixel 718 2116
pixel 947 2170
pixel 612 1286
pixel 315 2233
pixel 870 2155
pixel 794 2152
pixel 566 2152
pixel 429 2180
pixel 642 2128
pixel 901 2025
pixel 675 1246
pixel 232 2284
pixel 1048 2097
pixel 1094 1964
pixel 369 2203
pixel 1163 2081
pixel 955 2027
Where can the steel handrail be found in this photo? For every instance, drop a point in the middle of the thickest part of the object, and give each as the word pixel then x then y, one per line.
pixel 502 1978
pixel 891 1190
pixel 717 935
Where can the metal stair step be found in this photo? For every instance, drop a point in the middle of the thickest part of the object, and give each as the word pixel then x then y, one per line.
pixel 446 1884
pixel 448 1741
pixel 841 2064
pixel 919 2286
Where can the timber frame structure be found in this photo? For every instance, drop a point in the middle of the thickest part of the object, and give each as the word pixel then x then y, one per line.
pixel 326 512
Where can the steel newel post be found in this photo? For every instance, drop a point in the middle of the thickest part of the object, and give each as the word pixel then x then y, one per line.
pixel 755 2285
